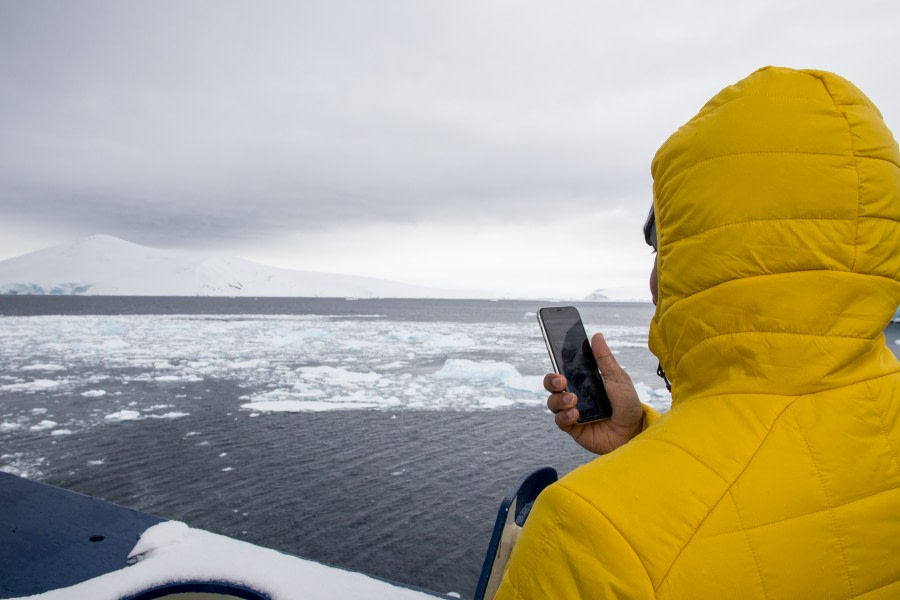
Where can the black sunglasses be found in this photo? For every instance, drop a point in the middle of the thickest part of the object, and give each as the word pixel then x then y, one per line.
pixel 650 230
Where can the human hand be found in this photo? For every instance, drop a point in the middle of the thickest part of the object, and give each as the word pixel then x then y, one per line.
pixel 599 437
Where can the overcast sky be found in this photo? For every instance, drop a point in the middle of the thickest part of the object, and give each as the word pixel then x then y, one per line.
pixel 493 145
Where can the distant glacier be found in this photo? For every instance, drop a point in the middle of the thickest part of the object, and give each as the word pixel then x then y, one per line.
pixel 104 265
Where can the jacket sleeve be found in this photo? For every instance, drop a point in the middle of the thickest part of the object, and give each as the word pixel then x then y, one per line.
pixel 568 549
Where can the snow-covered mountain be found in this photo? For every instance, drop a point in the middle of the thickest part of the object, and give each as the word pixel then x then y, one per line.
pixel 103 265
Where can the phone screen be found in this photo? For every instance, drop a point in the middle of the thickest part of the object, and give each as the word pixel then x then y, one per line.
pixel 570 352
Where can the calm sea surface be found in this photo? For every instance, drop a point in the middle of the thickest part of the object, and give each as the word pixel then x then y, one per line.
pixel 376 435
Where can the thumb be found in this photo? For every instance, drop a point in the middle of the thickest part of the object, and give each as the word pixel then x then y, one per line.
pixel 606 362
pixel 627 411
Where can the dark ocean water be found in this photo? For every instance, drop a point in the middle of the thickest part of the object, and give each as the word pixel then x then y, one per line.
pixel 402 493
pixel 399 491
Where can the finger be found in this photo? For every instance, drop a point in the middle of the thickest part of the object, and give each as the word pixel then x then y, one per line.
pixel 560 402
pixel 554 382
pixel 606 362
pixel 567 419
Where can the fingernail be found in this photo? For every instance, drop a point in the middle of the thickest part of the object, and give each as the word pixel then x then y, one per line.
pixel 571 414
pixel 557 382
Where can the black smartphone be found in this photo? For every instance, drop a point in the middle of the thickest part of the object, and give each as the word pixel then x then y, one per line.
pixel 571 355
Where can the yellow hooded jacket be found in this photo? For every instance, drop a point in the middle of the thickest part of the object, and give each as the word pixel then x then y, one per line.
pixel 776 473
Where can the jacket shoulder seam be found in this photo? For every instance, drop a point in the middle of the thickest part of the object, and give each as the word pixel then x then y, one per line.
pixel 806 514
pixel 612 525
pixel 681 448
pixel 745 532
pixel 829 505
pixel 883 428
pixel 727 491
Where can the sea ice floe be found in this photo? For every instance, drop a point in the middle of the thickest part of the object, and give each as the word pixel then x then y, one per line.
pixel 254 363
pixel 297 406
pixel 177 378
pixel 124 415
pixel 170 415
pixel 616 344
pixel 658 398
pixel 23 465
pixel 133 415
pixel 43 367
pixel 338 375
pixel 486 402
pixel 496 373
pixel 288 363
pixel 433 340
pixel 31 387
pixel 392 366
pixel 46 424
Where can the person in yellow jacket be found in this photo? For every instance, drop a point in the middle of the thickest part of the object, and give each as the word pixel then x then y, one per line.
pixel 776 472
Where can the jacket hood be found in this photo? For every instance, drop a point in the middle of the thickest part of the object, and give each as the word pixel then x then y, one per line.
pixel 778 218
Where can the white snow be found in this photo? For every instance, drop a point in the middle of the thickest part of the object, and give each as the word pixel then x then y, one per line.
pixel 172 551
pixel 105 265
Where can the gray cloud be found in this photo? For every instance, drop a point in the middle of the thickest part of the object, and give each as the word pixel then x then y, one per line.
pixel 180 122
